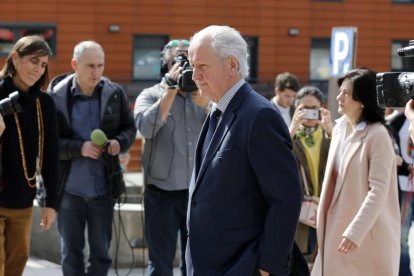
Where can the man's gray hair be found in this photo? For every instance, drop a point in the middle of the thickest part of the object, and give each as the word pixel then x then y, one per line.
pixel 226 42
pixel 83 45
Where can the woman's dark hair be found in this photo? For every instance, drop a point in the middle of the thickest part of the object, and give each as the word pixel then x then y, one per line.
pixel 28 45
pixel 309 90
pixel 364 91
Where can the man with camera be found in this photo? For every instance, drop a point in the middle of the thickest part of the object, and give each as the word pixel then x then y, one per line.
pixel 169 115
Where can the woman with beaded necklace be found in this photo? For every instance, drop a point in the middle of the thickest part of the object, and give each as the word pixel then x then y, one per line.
pixel 311 140
pixel 29 150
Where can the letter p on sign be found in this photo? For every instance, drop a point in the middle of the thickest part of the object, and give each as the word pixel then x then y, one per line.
pixel 343 42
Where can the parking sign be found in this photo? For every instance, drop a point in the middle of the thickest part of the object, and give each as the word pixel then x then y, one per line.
pixel 343 50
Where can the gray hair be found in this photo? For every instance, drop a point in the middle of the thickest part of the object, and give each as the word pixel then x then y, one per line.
pixel 226 42
pixel 84 45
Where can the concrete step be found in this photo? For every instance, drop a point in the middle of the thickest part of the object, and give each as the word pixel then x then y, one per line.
pixel 134 187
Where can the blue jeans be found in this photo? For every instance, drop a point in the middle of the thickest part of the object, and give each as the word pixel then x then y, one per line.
pixel 74 215
pixel 407 203
pixel 165 218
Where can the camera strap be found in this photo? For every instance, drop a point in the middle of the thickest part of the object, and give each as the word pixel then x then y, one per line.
pixel 39 157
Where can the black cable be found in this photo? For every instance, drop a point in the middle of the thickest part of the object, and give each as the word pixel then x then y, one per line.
pixel 117 243
pixel 119 202
pixel 143 234
pixel 149 173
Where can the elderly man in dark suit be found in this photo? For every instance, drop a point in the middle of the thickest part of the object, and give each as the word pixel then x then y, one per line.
pixel 245 196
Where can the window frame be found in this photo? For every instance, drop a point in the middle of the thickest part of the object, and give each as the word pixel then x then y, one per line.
pixel 163 40
pixel 407 63
pixel 18 27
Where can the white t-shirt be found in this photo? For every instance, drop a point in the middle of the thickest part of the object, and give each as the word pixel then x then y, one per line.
pixel 284 111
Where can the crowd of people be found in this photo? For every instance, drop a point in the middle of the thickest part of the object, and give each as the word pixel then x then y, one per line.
pixel 228 174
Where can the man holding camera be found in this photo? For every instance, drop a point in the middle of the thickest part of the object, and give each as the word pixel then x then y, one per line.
pixel 170 120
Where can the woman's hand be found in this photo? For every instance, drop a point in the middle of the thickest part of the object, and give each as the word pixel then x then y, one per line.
pixel 326 121
pixel 347 246
pixel 48 217
pixel 297 120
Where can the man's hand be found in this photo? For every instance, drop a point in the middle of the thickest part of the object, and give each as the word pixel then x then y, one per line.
pixel 409 110
pixel 409 113
pixel 48 217
pixel 263 273
pixel 91 150
pixel 172 75
pixel 2 125
pixel 114 147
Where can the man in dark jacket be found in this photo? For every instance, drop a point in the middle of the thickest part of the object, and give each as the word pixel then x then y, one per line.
pixel 90 175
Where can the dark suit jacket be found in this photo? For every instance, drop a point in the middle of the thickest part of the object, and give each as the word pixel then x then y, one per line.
pixel 245 196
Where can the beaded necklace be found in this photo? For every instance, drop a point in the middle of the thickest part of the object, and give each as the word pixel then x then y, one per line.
pixel 39 158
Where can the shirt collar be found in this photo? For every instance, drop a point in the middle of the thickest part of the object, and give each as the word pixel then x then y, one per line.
pixel 76 92
pixel 225 100
pixel 343 121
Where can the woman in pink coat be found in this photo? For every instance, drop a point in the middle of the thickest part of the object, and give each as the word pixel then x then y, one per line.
pixel 358 222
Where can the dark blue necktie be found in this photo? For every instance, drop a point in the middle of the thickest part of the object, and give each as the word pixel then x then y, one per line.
pixel 212 124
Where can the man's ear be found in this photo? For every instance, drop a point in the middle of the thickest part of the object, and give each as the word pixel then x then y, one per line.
pixel 277 91
pixel 233 65
pixel 74 64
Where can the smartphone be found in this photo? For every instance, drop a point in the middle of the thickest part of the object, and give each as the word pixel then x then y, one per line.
pixel 312 114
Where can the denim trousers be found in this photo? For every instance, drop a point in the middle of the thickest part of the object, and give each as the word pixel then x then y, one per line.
pixel 15 229
pixel 165 219
pixel 75 215
pixel 407 203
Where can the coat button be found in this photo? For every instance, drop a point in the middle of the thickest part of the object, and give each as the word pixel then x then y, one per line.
pixel 193 203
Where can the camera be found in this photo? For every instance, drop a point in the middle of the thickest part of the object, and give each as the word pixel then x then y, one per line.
pixel 185 79
pixel 312 114
pixel 395 89
pixel 10 105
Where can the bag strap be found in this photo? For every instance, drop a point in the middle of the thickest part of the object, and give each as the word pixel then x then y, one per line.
pixel 306 186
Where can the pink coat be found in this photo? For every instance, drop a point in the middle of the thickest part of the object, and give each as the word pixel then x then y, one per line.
pixel 363 207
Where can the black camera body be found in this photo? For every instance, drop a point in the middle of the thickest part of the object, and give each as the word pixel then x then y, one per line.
pixel 395 89
pixel 185 79
pixel 10 105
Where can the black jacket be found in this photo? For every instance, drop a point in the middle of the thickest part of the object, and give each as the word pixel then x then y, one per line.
pixel 14 189
pixel 117 122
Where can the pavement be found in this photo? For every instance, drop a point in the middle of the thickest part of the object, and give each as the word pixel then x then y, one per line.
pixel 39 267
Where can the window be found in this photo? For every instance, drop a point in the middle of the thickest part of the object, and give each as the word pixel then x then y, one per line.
pixel 400 63
pixel 253 59
pixel 146 56
pixel 11 32
pixel 319 59
pixel 319 64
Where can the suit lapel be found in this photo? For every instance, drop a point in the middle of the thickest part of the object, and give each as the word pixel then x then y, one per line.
pixel 199 148
pixel 222 128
